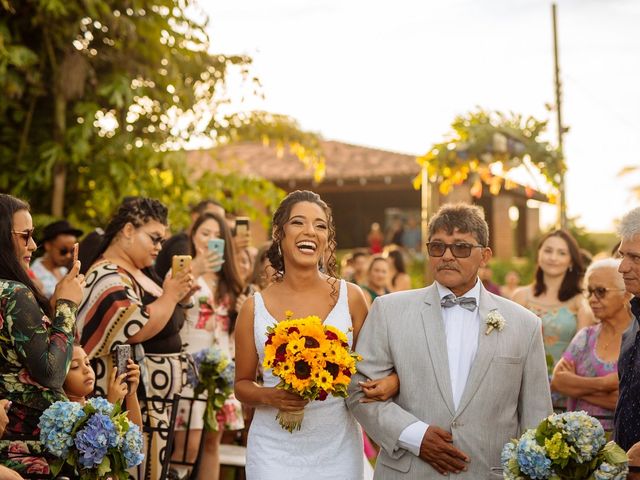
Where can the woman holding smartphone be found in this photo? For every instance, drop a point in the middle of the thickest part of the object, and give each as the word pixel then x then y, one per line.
pixel 36 340
pixel 125 302
pixel 210 322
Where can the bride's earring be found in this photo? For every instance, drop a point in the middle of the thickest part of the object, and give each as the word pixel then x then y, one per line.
pixel 279 251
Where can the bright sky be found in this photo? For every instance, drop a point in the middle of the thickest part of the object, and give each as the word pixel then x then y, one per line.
pixel 393 75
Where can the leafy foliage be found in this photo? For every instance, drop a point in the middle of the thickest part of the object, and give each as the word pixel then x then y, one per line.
pixel 101 96
pixel 482 139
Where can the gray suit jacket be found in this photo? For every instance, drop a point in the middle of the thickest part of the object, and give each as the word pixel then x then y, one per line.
pixel 507 390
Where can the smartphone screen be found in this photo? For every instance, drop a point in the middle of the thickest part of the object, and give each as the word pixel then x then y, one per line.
pixel 123 354
pixel 242 226
pixel 217 245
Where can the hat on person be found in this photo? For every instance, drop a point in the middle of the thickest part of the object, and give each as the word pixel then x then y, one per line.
pixel 61 227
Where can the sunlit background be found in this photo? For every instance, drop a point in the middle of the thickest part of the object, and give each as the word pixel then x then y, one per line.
pixel 393 75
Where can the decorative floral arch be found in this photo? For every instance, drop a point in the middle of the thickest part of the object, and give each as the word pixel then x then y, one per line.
pixel 483 139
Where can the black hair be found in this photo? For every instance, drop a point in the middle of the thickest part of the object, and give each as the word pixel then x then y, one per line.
pixel 398 261
pixel 230 282
pixel 200 207
pixel 135 210
pixel 281 217
pixel 10 266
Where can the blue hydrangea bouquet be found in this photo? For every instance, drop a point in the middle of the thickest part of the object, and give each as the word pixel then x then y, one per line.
pixel 216 374
pixel 97 440
pixel 565 446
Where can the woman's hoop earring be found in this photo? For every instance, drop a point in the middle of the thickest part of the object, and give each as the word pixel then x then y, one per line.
pixel 279 251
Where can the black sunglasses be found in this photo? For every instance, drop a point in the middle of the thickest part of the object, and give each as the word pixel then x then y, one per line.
pixel 157 241
pixel 458 250
pixel 600 292
pixel 26 235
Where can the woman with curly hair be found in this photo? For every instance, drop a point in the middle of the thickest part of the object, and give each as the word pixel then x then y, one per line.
pixel 329 444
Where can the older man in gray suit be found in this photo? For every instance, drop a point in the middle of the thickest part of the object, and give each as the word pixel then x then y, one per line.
pixel 471 364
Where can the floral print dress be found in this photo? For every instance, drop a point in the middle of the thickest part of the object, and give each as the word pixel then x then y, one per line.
pixel 35 354
pixel 582 352
pixel 208 324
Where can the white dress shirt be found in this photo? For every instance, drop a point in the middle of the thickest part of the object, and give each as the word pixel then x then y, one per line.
pixel 461 328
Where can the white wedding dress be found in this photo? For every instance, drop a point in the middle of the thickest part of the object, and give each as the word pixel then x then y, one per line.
pixel 329 444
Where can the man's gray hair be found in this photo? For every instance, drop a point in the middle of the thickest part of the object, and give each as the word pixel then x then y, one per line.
pixel 464 217
pixel 612 263
pixel 630 224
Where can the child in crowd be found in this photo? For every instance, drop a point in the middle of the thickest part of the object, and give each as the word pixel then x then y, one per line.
pixel 81 379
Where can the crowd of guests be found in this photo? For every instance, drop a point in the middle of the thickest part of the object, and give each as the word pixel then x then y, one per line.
pixel 59 327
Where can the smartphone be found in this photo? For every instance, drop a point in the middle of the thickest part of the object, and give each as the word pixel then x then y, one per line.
pixel 242 226
pixel 76 247
pixel 180 263
pixel 217 245
pixel 122 354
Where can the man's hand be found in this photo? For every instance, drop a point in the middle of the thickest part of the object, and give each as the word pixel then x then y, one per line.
pixel 437 450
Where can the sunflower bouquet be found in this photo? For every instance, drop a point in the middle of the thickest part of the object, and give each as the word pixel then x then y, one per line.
pixel 312 360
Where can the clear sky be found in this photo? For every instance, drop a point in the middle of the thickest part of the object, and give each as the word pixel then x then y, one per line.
pixel 394 74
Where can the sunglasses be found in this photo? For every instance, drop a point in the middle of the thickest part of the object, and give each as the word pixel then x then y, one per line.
pixel 601 292
pixel 157 241
pixel 64 251
pixel 458 250
pixel 26 235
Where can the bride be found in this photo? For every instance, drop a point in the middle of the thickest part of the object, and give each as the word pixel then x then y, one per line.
pixel 329 444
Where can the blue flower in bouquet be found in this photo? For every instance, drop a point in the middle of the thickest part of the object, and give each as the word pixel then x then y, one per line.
pixel 213 355
pixel 583 432
pixel 94 440
pixel 132 446
pixel 102 405
pixel 532 458
pixel 229 373
pixel 56 424
pixel 606 471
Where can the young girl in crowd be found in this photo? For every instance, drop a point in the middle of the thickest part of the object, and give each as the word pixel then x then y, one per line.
pixel 81 379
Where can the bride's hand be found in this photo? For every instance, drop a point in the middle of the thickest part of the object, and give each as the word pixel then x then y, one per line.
pixel 380 390
pixel 285 401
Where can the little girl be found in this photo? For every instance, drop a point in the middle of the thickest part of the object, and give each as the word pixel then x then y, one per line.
pixel 81 379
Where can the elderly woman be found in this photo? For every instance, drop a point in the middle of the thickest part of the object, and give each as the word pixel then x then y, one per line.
pixel 588 370
pixel 36 339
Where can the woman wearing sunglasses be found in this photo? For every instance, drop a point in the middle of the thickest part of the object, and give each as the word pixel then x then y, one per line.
pixel 588 370
pixel 555 296
pixel 126 303
pixel 36 337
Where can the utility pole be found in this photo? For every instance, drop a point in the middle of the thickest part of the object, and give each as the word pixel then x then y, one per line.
pixel 562 200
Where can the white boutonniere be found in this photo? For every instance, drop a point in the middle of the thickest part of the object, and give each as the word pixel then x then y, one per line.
pixel 494 321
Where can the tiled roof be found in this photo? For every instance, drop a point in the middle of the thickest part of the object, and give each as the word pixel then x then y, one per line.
pixel 343 161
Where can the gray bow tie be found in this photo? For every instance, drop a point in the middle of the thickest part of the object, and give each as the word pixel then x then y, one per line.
pixel 465 302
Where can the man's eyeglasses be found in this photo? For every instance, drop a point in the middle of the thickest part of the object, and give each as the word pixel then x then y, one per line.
pixel 64 251
pixel 157 241
pixel 600 292
pixel 458 250
pixel 26 235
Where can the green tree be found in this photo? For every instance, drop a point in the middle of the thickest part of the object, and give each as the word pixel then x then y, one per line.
pixel 101 97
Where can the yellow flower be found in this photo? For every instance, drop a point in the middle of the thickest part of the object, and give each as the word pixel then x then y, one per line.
pixel 556 447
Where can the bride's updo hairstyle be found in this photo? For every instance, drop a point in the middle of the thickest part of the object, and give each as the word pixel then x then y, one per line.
pixel 280 218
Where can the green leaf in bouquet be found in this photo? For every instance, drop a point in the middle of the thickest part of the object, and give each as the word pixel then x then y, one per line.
pixel 218 401
pixel 117 408
pixel 210 419
pixel 104 467
pixel 614 454
pixel 55 466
